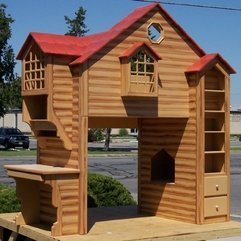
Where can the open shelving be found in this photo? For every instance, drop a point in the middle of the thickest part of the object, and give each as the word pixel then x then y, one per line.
pixel 215 112
pixel 214 93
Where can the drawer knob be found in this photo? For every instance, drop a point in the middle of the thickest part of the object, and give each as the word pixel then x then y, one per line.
pixel 217 187
pixel 217 208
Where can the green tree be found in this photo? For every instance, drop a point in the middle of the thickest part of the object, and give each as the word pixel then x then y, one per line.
pixel 107 139
pixel 10 95
pixel 3 97
pixel 2 104
pixel 13 94
pixel 77 25
pixel 7 62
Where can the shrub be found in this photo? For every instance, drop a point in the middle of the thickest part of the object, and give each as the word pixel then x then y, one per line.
pixel 106 191
pixel 8 200
pixel 123 132
pixel 95 134
pixel 102 191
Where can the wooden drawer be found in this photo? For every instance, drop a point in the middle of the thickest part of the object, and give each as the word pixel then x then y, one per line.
pixel 215 206
pixel 215 186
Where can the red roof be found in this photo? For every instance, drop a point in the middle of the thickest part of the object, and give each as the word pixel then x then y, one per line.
pixel 84 47
pixel 135 47
pixel 207 62
pixel 59 44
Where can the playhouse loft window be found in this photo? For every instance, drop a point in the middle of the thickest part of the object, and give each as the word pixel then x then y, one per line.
pixel 34 71
pixel 142 74
pixel 139 70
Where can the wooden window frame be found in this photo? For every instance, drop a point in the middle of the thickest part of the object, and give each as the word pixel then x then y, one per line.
pixel 158 28
pixel 34 70
pixel 127 76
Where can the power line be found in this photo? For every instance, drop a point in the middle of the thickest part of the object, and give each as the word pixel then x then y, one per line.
pixel 191 5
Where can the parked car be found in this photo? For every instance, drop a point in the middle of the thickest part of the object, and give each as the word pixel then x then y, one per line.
pixel 12 137
pixel 240 138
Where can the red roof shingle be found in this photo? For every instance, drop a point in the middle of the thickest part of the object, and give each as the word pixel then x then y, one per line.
pixel 208 61
pixel 136 46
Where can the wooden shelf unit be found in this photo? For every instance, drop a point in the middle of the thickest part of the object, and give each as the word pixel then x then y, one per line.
pixel 216 193
pixel 214 112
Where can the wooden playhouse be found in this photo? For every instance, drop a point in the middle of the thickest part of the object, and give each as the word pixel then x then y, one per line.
pixel 145 72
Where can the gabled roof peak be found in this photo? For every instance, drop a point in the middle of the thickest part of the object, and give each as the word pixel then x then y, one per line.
pixel 207 62
pixel 84 47
pixel 137 46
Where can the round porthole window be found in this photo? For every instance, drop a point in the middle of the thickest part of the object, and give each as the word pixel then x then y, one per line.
pixel 155 33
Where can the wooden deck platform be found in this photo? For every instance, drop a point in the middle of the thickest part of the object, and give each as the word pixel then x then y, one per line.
pixel 123 223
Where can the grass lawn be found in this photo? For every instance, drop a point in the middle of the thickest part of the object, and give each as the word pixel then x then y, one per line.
pixel 112 152
pixel 92 152
pixel 235 148
pixel 20 152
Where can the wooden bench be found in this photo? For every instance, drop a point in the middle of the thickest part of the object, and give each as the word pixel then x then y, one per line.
pixel 46 194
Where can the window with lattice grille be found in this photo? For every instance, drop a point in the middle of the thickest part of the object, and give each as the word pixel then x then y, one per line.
pixel 142 74
pixel 139 70
pixel 34 71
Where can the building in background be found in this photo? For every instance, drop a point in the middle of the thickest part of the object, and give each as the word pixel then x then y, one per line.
pixel 235 121
pixel 14 118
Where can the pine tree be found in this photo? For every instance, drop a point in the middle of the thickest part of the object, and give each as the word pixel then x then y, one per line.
pixel 77 25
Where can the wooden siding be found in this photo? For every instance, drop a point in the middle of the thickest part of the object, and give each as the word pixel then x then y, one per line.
pixel 63 194
pixel 53 153
pixel 105 78
pixel 195 105
pixel 69 198
pixel 62 95
pixel 48 214
pixel 177 137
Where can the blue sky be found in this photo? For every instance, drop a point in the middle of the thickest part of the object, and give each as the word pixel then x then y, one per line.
pixel 214 30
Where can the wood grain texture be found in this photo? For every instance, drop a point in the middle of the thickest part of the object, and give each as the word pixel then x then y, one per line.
pixel 173 200
pixel 105 79
pixel 62 87
pixel 155 228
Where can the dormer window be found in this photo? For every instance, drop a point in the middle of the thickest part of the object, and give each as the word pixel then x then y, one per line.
pixel 139 71
pixel 142 73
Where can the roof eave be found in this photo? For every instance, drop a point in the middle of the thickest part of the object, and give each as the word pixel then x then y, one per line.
pixel 22 51
pixel 202 66
pixel 135 47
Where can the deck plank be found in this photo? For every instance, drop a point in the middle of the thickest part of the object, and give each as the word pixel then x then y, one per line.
pixel 123 223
